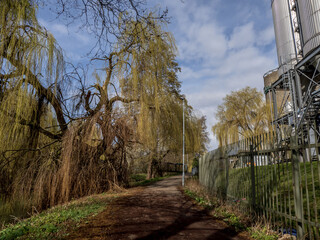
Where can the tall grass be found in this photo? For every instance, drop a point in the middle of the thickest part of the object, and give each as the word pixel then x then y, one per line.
pixel 229 212
pixel 13 210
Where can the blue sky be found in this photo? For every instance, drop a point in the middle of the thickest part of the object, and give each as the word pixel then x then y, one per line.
pixel 224 45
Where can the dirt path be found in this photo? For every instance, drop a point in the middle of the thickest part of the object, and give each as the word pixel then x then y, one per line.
pixel 159 211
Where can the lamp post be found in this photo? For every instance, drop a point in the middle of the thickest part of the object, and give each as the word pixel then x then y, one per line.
pixel 183 129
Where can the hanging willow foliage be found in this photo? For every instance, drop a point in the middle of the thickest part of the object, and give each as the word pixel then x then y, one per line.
pixel 152 80
pixel 44 160
pixel 242 114
pixel 31 67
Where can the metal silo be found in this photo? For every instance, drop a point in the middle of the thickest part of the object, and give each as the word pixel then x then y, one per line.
pixel 309 13
pixel 286 48
pixel 281 98
pixel 269 78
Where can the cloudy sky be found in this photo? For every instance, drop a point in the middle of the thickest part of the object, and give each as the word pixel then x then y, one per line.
pixel 224 45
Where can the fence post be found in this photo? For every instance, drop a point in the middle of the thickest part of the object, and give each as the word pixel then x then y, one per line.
pixel 253 182
pixel 298 207
pixel 227 175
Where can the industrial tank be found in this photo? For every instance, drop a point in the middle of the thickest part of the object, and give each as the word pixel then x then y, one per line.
pixel 283 99
pixel 309 13
pixel 269 78
pixel 284 35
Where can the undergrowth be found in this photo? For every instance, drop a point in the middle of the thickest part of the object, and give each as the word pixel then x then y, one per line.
pixel 228 212
pixel 54 223
pixel 262 233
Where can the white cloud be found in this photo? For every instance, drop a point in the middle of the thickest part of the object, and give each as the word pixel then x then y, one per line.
pixel 224 45
pixel 59 28
pixel 72 40
pixel 266 36
pixel 242 36
pixel 244 60
pixel 196 33
pixel 213 62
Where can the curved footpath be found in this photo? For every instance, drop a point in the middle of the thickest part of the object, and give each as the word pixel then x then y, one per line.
pixel 159 211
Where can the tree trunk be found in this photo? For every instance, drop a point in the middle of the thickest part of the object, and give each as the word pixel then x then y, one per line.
pixel 154 168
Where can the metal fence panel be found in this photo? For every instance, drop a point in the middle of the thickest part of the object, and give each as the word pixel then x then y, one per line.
pixel 277 179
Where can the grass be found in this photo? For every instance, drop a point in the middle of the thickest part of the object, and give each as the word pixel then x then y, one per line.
pixel 54 223
pixel 138 177
pixel 17 208
pixel 262 233
pixel 217 208
pixel 228 212
pixel 204 202
pixel 141 179
pixel 274 186
pixel 275 182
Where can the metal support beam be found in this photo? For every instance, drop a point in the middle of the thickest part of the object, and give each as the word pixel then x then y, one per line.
pixel 275 108
pixel 308 58
pixel 298 89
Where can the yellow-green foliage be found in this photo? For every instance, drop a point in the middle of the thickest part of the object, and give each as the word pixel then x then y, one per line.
pixel 47 161
pixel 242 114
pixel 152 80
pixel 29 59
pixel 31 67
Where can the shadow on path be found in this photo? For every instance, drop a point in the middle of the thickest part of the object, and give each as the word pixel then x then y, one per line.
pixel 159 211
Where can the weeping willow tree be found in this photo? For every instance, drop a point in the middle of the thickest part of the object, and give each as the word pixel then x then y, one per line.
pixel 48 153
pixel 153 87
pixel 196 144
pixel 242 114
pixel 31 66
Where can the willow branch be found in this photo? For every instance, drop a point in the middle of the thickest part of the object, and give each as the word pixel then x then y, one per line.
pixel 10 75
pixel 33 80
pixel 28 149
pixel 121 99
pixel 24 122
